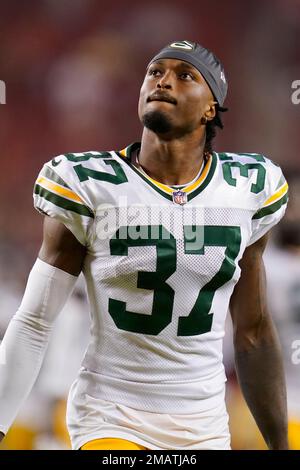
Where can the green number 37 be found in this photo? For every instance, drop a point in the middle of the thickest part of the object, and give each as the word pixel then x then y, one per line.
pixel 199 319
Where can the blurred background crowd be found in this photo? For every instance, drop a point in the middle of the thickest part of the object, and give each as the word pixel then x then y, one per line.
pixel 73 69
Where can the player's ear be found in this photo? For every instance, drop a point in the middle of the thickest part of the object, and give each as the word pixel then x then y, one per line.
pixel 210 111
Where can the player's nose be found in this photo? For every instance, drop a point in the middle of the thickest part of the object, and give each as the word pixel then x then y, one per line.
pixel 165 81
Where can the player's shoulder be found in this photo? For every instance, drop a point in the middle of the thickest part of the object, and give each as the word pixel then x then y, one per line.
pixel 246 158
pixel 251 179
pixel 79 167
pixel 81 175
pixel 243 164
pixel 71 159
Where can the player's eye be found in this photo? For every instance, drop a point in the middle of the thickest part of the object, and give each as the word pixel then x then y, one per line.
pixel 155 72
pixel 186 76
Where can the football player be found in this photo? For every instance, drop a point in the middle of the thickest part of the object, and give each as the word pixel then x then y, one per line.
pixel 168 233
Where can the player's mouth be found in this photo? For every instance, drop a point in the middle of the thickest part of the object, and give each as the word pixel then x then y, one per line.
pixel 159 96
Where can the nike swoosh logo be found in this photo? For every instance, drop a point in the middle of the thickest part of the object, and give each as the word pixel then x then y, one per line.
pixel 55 163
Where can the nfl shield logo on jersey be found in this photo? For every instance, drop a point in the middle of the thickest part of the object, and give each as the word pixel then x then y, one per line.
pixel 179 197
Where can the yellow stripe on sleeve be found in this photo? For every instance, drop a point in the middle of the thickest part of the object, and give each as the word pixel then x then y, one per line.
pixel 281 192
pixel 45 183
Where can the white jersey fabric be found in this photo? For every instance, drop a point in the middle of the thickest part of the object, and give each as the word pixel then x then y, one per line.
pixel 90 418
pixel 161 266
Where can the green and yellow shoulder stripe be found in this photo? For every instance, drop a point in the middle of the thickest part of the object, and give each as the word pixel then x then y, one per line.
pixel 51 187
pixel 275 202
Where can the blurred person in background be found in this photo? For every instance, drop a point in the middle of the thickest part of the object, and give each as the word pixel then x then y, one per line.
pixel 158 291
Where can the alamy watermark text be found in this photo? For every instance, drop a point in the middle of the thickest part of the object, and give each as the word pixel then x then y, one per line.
pixel 2 92
pixel 295 97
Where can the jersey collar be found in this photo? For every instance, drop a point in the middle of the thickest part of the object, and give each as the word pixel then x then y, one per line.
pixel 191 190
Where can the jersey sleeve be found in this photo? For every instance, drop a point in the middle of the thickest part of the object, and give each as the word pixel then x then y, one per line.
pixel 55 196
pixel 273 205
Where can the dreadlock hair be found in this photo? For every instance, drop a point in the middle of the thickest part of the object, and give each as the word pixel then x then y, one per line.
pixel 211 126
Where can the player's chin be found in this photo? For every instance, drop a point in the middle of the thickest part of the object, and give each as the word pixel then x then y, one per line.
pixel 158 121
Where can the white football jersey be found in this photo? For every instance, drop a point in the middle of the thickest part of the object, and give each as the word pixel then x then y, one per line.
pixel 160 269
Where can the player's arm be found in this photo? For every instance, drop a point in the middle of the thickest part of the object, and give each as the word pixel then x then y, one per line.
pixel 49 285
pixel 60 248
pixel 257 351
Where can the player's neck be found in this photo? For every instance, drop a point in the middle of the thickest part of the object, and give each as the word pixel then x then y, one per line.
pixel 172 162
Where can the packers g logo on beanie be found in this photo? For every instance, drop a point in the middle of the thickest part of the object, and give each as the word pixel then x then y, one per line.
pixel 186 45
